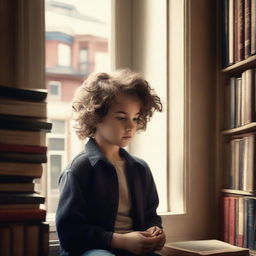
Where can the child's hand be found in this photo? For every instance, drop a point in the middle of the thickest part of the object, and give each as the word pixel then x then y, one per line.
pixel 154 231
pixel 140 242
pixel 159 233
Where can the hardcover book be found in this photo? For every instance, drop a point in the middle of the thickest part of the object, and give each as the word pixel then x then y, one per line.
pixel 23 93
pixel 203 247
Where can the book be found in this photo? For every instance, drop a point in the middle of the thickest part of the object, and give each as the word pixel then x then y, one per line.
pixel 239 30
pixel 20 169
pixel 253 27
pixel 18 206
pixel 22 108
pixel 23 157
pixel 17 187
pixel 23 93
pixel 22 215
pixel 225 30
pixel 5 240
pixel 17 235
pixel 34 138
pixel 247 28
pixel 203 247
pixel 5 147
pixel 251 211
pixel 21 198
pixel 230 14
pixel 8 122
pixel 44 239
pixel 31 246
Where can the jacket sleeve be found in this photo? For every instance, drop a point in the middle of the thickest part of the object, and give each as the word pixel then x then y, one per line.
pixel 151 216
pixel 75 233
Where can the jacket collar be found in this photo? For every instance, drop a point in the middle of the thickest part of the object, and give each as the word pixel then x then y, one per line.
pixel 95 155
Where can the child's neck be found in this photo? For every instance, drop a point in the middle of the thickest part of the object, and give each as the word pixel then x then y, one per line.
pixel 111 153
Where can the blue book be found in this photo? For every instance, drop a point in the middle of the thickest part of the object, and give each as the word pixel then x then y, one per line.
pixel 250 223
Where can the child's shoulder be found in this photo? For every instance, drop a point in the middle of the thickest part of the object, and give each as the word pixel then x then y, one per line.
pixel 78 163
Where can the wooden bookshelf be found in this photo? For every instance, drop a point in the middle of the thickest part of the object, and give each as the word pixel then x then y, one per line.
pixel 238 192
pixel 241 66
pixel 240 130
pixel 236 105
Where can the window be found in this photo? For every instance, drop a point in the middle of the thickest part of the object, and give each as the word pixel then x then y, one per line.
pixel 83 56
pixel 85 30
pixel 54 89
pixel 57 152
pixel 64 55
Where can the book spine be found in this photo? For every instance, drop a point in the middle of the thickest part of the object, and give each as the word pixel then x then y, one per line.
pixel 4 147
pixel 241 163
pixel 251 222
pixel 225 44
pixel 247 28
pixel 240 27
pixel 230 22
pixel 240 233
pixel 253 27
pixel 226 207
pixel 232 220
pixel 23 215
pixel 233 102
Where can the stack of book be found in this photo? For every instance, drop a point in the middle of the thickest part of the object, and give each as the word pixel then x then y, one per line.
pixel 240 160
pixel 23 128
pixel 240 100
pixel 239 30
pixel 239 221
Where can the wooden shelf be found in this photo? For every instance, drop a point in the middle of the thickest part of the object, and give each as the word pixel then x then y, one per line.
pixel 238 192
pixel 239 130
pixel 241 66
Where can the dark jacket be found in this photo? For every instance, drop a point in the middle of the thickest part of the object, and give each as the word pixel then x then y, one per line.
pixel 88 201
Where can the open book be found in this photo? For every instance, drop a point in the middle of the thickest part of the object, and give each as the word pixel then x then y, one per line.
pixel 202 247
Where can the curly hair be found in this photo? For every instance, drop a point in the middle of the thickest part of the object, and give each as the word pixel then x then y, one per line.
pixel 98 92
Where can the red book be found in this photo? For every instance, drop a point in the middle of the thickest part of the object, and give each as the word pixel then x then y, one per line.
pixel 226 202
pixel 22 215
pixel 4 147
pixel 232 220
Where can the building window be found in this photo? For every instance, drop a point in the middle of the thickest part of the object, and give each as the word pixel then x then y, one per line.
pixel 55 89
pixel 64 55
pixel 84 64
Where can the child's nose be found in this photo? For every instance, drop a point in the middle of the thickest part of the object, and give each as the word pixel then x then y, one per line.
pixel 130 124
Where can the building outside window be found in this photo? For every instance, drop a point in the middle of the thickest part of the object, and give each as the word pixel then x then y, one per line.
pixel 75 33
pixel 54 90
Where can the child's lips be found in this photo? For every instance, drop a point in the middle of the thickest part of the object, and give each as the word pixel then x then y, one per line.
pixel 127 137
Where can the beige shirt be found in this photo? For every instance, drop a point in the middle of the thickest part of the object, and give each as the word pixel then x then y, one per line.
pixel 123 223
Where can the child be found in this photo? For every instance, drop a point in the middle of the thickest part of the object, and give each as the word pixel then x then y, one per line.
pixel 108 198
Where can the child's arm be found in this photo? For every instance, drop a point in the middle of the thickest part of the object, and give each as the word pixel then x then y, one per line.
pixel 75 232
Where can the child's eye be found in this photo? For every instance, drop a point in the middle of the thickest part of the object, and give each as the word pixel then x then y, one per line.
pixel 120 118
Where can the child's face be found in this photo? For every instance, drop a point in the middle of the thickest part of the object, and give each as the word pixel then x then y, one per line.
pixel 120 124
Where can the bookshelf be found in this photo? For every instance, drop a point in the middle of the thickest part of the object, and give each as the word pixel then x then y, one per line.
pixel 236 122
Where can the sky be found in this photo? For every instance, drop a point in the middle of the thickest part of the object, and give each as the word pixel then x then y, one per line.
pixel 99 9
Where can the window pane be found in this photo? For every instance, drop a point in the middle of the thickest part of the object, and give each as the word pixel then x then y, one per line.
pixel 56 144
pixel 64 55
pixel 56 167
pixel 58 126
